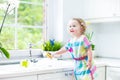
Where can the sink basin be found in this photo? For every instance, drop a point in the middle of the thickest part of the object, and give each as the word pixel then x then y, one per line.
pixel 47 63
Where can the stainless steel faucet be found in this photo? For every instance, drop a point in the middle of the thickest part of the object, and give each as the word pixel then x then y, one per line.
pixel 30 53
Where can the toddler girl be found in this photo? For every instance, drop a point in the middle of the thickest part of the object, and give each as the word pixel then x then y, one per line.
pixel 79 48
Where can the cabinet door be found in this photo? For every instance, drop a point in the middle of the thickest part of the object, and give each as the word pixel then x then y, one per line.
pixel 57 76
pixel 99 8
pixel 33 77
pixel 100 73
pixel 113 73
pixel 117 8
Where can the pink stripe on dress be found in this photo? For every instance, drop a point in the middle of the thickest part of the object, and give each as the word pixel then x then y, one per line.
pixel 92 72
pixel 70 50
pixel 87 43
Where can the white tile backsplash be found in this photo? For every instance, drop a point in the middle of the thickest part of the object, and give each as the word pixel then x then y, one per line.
pixel 107 39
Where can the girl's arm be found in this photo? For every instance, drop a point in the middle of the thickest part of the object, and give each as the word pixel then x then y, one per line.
pixel 61 51
pixel 89 52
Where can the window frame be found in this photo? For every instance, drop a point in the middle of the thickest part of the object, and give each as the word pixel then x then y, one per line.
pixel 15 54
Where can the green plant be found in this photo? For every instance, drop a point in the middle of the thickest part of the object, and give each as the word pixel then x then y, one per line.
pixel 89 36
pixel 4 51
pixel 51 45
pixel 93 46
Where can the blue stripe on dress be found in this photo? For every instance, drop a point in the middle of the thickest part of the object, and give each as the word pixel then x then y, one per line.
pixel 83 72
pixel 76 44
pixel 72 55
pixel 70 44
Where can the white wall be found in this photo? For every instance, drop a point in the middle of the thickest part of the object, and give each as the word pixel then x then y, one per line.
pixel 71 9
pixel 59 13
pixel 107 39
pixel 106 35
pixel 55 19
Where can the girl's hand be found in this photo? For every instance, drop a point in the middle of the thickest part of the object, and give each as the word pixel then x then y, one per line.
pixel 49 55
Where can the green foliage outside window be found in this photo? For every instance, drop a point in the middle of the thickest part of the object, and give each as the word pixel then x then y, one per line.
pixel 29 16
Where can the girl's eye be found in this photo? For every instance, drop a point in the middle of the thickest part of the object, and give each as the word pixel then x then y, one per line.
pixel 74 26
pixel 70 26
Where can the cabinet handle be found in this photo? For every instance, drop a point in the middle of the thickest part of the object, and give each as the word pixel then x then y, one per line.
pixel 70 74
pixel 66 74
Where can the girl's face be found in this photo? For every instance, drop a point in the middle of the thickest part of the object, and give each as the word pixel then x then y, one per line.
pixel 74 28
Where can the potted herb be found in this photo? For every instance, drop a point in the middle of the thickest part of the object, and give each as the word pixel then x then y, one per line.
pixel 89 36
pixel 51 45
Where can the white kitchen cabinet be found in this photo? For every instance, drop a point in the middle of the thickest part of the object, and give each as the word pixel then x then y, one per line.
pixel 117 8
pixel 100 73
pixel 100 8
pixel 33 77
pixel 113 73
pixel 67 75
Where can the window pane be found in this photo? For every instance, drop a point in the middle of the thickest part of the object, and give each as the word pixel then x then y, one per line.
pixel 30 23
pixel 7 33
pixel 10 13
pixel 30 14
pixel 7 37
pixel 28 35
pixel 23 26
pixel 32 1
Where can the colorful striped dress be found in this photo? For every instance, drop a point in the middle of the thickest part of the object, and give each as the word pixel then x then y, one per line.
pixel 78 51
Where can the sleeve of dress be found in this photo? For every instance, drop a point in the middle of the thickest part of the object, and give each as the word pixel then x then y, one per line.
pixel 68 46
pixel 87 43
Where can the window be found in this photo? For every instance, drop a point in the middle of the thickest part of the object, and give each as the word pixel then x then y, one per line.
pixel 23 24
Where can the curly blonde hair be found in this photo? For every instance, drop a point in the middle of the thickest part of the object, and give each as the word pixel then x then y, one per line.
pixel 82 24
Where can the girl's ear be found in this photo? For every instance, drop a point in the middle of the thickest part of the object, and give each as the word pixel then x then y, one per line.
pixel 82 30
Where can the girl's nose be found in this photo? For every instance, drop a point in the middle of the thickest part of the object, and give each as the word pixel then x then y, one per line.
pixel 71 28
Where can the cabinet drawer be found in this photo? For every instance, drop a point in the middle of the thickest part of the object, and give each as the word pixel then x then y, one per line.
pixel 32 77
pixel 113 73
pixel 57 76
pixel 100 73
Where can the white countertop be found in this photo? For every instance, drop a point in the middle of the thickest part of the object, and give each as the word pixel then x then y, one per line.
pixel 47 66
pixel 110 62
pixel 41 67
